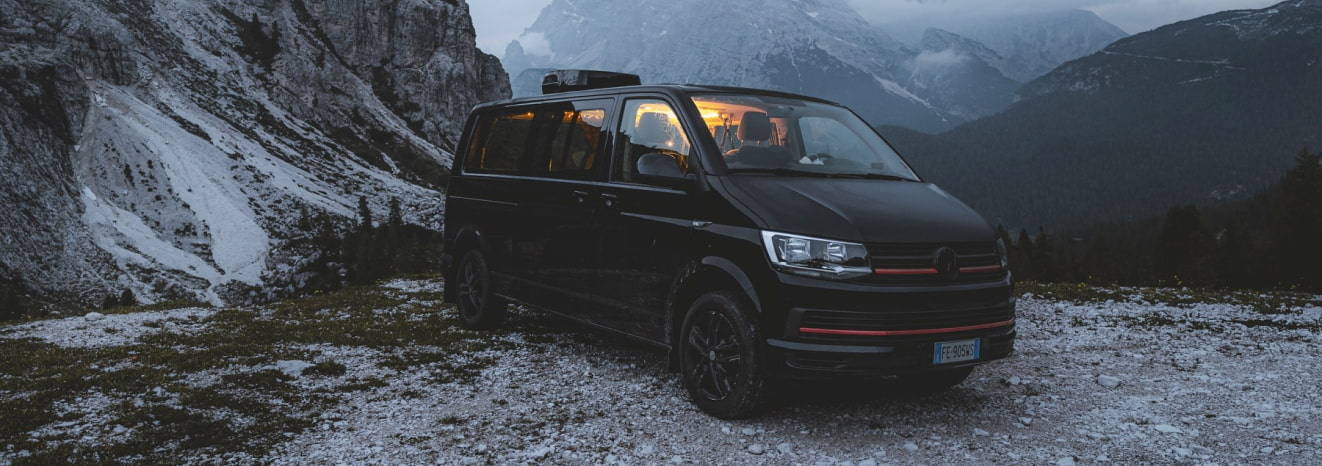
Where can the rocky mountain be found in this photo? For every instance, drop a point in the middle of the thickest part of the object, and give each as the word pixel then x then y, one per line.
pixel 176 149
pixel 961 75
pixel 1031 43
pixel 816 47
pixel 1198 111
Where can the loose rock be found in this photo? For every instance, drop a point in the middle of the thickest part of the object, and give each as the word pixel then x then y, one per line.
pixel 1108 381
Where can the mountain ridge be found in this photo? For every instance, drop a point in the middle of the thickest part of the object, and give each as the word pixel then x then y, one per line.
pixel 815 47
pixel 1031 44
pixel 1199 111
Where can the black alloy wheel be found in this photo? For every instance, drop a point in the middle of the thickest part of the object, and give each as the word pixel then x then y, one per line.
pixel 719 361
pixel 478 308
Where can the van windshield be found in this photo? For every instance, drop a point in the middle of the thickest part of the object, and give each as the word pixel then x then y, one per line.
pixel 782 136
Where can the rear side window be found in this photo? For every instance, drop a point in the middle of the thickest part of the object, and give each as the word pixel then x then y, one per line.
pixel 580 138
pixel 501 145
pixel 562 140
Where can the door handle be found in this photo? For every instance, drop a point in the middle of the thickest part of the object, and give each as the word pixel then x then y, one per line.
pixel 610 199
pixel 580 195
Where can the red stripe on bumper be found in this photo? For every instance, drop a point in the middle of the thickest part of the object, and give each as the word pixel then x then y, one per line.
pixel 890 333
pixel 905 271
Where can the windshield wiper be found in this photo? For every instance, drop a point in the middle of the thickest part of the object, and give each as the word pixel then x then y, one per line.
pixel 869 176
pixel 793 172
pixel 780 172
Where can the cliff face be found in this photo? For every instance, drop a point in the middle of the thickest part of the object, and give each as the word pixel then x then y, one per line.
pixel 170 148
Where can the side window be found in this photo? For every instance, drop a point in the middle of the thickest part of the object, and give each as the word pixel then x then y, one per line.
pixel 501 145
pixel 578 142
pixel 649 126
pixel 560 139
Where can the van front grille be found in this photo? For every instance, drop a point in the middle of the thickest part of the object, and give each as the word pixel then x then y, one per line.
pixel 913 263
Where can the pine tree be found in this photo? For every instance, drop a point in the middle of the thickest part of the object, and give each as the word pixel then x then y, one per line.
pixel 1234 260
pixel 364 213
pixel 272 45
pixel 1297 239
pixel 257 44
pixel 110 302
pixel 1044 257
pixel 13 300
pixel 1021 262
pixel 1182 246
pixel 396 213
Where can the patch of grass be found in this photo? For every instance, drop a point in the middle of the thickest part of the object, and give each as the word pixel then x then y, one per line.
pixel 1265 302
pixel 161 306
pixel 443 366
pixel 1277 325
pixel 269 380
pixel 249 408
pixel 356 385
pixel 1072 292
pixel 451 420
pixel 1150 321
pixel 326 369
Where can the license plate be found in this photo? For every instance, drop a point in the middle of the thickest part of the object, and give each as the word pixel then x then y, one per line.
pixel 956 351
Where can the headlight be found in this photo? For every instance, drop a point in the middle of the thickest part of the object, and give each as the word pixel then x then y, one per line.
pixel 816 257
pixel 1003 253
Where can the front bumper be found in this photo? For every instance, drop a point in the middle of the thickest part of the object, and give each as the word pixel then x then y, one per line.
pixel 819 329
pixel 879 358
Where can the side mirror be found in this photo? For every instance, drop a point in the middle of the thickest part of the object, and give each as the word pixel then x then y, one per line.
pixel 659 167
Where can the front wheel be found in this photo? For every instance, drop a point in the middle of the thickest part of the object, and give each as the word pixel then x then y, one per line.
pixel 477 306
pixel 719 360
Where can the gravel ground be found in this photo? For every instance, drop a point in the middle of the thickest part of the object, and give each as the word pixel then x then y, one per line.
pixel 1118 381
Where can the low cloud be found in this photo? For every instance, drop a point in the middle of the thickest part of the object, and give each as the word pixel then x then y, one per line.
pixel 535 43
pixel 947 57
pixel 1131 15
pixel 500 21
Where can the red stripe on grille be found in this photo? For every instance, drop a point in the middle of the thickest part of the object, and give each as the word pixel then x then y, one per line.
pixel 982 269
pixel 890 333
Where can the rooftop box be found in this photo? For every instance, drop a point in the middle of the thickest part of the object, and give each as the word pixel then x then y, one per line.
pixel 559 81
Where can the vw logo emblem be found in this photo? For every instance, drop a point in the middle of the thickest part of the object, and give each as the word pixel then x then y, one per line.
pixel 946 263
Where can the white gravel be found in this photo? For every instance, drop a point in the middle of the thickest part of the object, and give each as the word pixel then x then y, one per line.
pixel 96 330
pixel 1195 384
pixel 1203 389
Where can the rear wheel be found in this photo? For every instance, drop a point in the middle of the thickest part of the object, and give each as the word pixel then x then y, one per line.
pixel 477 306
pixel 719 360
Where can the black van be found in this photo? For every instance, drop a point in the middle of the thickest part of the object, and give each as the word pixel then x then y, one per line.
pixel 757 236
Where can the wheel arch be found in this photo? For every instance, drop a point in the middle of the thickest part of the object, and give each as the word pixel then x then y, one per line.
pixel 468 237
pixel 699 276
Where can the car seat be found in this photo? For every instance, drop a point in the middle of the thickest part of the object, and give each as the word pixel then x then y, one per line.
pixel 755 128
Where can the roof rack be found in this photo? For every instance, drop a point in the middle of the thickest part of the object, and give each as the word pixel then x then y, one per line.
pixel 559 81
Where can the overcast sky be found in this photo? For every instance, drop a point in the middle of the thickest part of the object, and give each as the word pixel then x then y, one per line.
pixel 500 21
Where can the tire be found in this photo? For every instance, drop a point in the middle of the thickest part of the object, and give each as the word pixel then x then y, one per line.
pixel 478 307
pixel 719 361
pixel 933 382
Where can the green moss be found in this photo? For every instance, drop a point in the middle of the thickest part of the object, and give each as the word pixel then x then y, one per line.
pixel 1275 302
pixel 250 407
pixel 326 368
pixel 161 306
